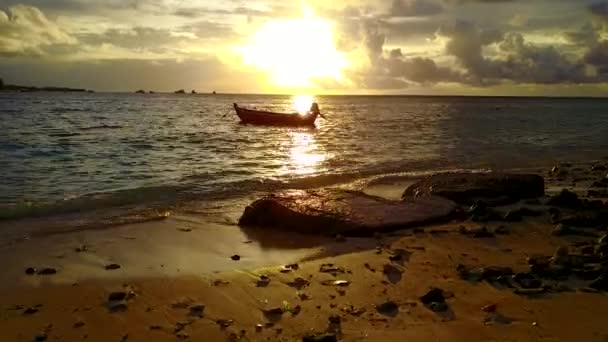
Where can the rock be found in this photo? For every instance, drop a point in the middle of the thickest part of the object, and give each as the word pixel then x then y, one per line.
pixel 332 269
pixel 342 212
pixel 30 271
pixel 601 283
pixel 489 308
pixel 224 323
pixel 497 318
pixel 30 311
pixel 598 168
pixel 294 267
pixel 78 324
pixel 563 230
pixel 565 199
pixel 263 281
pixel 236 257
pixel 527 281
pixel 482 232
pixel 112 267
pixel 274 314
pixel 299 283
pixel 435 300
pixel 561 256
pixel 41 337
pixel 116 296
pixel 47 271
pixel 341 283
pixel 197 310
pixel 400 256
pixel 393 273
pixel 466 188
pixel 323 337
pixel 81 249
pixel 388 308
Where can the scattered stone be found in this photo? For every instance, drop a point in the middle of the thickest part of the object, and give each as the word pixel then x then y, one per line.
pixel 220 282
pixel 598 168
pixel 30 271
pixel 258 327
pixel 489 308
pixel 236 257
pixel 435 300
pixel 294 267
pixel 273 315
pixel 388 308
pixel 332 269
pixel 41 337
pixel 393 273
pixel 182 303
pixel 497 318
pixel 601 283
pixel 527 281
pixel 351 310
pixel 466 188
pixel 112 267
pixel 78 324
pixel 336 282
pixel 117 296
pixel 400 256
pixel 303 296
pixel 47 271
pixel 117 307
pixel 30 311
pixel 565 199
pixel 321 337
pixel 224 323
pixel 299 283
pixel 197 310
pixel 263 281
pixel 81 249
pixel 185 230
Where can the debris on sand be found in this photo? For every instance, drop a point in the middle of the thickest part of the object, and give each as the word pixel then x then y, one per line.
pixel 47 271
pixel 112 267
pixel 263 281
pixel 321 337
pixel 197 310
pixel 400 256
pixel 332 269
pixel 496 318
pixel 236 257
pixel 388 308
pixel 393 273
pixel 30 271
pixel 336 282
pixel 299 283
pixel 434 300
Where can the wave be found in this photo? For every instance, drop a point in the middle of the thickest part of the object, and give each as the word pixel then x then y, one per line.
pixel 104 126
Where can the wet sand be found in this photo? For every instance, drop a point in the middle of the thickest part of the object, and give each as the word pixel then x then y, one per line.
pixel 169 267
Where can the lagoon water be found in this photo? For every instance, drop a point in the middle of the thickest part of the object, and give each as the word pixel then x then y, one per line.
pixel 116 149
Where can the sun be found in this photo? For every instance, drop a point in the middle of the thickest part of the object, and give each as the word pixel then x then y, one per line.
pixel 296 52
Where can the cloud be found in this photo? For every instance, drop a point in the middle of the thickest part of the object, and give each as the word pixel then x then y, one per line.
pixel 597 56
pixel 414 8
pixel 25 30
pixel 599 9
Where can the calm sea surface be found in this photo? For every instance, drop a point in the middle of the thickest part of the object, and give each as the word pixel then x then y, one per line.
pixel 124 148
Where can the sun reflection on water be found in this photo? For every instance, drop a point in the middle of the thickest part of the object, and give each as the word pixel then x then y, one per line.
pixel 302 103
pixel 305 154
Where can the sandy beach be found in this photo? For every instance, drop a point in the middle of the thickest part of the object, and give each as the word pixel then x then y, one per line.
pixel 197 278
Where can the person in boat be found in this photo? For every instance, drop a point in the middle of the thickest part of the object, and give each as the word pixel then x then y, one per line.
pixel 315 108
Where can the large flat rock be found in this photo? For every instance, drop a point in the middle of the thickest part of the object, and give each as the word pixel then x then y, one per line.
pixel 466 188
pixel 344 212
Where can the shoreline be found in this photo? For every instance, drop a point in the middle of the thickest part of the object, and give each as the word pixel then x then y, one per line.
pixel 174 264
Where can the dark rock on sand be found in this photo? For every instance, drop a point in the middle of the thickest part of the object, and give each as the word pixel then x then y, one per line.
pixel 41 337
pixel 110 267
pixel 435 300
pixel 527 281
pixel 389 308
pixel 117 296
pixel 565 199
pixel 299 283
pixel 393 273
pixel 343 212
pixel 466 188
pixel 30 271
pixel 322 337
pixel 236 257
pixel 47 271
pixel 400 256
pixel 601 283
pixel 30 311
pixel 197 310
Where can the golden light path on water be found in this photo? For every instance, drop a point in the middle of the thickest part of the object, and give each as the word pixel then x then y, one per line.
pixel 305 153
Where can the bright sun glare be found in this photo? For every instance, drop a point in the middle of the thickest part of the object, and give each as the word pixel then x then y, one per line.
pixel 302 103
pixel 296 51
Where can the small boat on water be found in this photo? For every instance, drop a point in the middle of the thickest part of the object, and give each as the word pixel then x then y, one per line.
pixel 258 117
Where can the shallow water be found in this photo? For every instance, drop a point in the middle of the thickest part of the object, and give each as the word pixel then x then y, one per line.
pixel 65 152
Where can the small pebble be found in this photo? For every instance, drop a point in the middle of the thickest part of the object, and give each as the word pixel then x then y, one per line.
pixel 112 267
pixel 236 257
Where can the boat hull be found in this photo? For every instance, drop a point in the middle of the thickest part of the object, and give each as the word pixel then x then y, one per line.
pixel 256 117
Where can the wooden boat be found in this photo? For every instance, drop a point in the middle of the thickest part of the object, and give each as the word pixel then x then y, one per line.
pixel 258 117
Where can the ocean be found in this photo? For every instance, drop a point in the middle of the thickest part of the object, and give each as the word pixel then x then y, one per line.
pixel 73 152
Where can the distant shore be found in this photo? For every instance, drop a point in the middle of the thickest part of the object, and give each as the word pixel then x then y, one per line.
pixel 28 89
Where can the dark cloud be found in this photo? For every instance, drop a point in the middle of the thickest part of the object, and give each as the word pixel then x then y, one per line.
pixel 600 9
pixel 597 56
pixel 414 8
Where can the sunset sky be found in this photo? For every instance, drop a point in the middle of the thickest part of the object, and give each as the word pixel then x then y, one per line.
pixel 470 47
